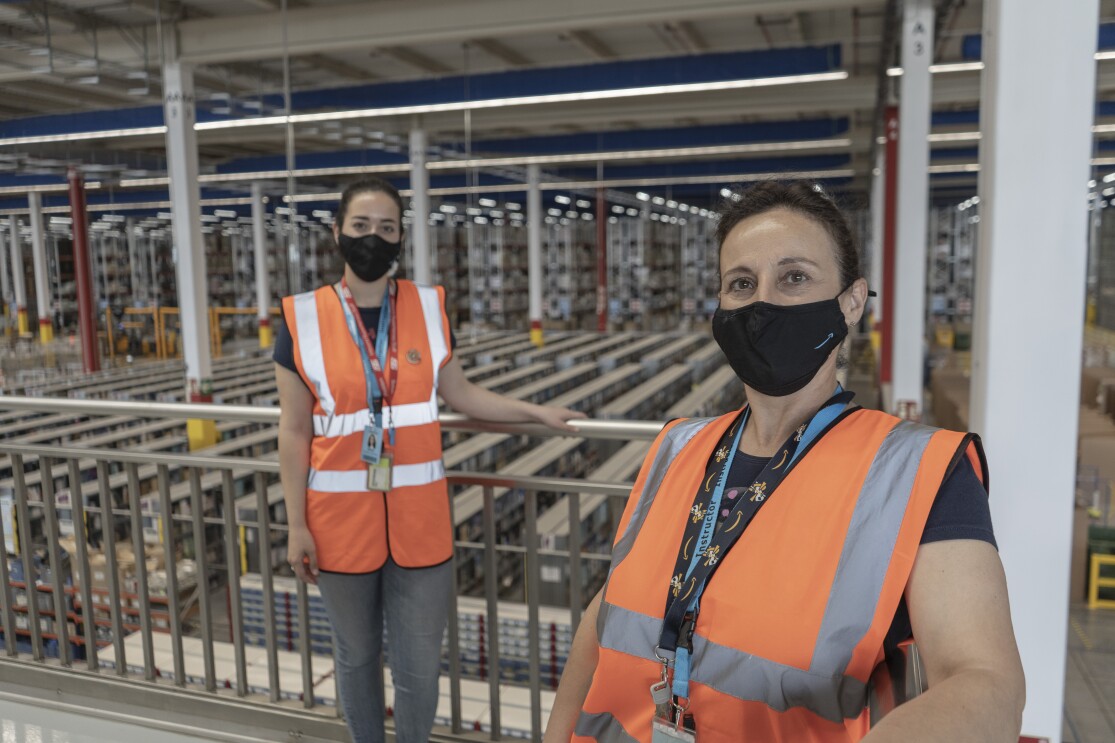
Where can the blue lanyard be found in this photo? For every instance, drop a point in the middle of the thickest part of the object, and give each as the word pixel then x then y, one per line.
pixel 822 420
pixel 383 330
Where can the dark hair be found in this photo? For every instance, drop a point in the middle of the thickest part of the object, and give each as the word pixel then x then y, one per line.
pixel 367 185
pixel 805 198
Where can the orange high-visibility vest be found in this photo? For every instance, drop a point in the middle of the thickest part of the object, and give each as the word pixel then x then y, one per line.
pixel 355 529
pixel 793 622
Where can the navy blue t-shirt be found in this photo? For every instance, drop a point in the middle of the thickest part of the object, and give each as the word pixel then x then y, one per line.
pixel 283 355
pixel 960 511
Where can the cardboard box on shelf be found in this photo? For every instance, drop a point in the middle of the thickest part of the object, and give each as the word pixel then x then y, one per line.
pixel 1099 452
pixel 1093 423
pixel 1091 380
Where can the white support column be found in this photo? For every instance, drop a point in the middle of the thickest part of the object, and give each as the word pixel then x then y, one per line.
pixel 263 276
pixel 185 199
pixel 913 206
pixel 1029 309
pixel 5 282
pixel 19 278
pixel 43 300
pixel 534 251
pixel 136 264
pixel 420 205
pixel 875 277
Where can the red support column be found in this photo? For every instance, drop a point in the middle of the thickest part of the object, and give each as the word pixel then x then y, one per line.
pixel 87 321
pixel 601 262
pixel 890 230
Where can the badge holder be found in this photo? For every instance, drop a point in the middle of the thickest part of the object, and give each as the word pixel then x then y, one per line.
pixel 371 452
pixel 667 725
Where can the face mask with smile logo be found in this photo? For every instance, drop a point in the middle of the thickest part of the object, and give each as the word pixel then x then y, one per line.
pixel 778 349
pixel 370 256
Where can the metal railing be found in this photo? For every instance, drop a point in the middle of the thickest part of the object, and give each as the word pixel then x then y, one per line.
pixel 215 511
pixel 101 623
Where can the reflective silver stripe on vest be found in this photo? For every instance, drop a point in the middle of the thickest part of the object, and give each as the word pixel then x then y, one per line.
pixel 435 331
pixel 824 689
pixel 403 416
pixel 355 481
pixel 673 441
pixel 872 532
pixel 738 674
pixel 309 348
pixel 603 728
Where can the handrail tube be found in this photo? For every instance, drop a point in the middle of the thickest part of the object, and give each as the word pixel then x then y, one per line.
pixel 593 429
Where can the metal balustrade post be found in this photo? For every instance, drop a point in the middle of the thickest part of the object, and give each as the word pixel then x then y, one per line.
pixel 491 592
pixel 139 548
pixel 531 579
pixel 23 532
pixel 232 561
pixel 85 588
pixel 112 573
pixel 576 598
pixel 205 617
pixel 57 585
pixel 6 611
pixel 454 641
pixel 305 645
pixel 267 579
pixel 172 592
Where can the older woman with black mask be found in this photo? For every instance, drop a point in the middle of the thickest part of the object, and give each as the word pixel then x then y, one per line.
pixel 770 558
pixel 360 366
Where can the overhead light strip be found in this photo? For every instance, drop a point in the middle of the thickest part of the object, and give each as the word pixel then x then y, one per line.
pixel 977 66
pixel 651 90
pixel 653 154
pixel 666 153
pixel 51 188
pixel 367 113
pixel 83 136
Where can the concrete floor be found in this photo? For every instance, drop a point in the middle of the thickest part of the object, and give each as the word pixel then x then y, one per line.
pixel 1090 676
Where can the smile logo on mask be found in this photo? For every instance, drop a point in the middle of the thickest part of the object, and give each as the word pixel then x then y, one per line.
pixel 414 357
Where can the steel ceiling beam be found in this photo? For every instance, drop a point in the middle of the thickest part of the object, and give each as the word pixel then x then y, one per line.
pixel 394 23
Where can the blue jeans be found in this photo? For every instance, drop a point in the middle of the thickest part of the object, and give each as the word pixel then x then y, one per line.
pixel 415 603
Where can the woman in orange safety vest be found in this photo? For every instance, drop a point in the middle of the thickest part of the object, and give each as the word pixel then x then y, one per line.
pixel 360 366
pixel 770 558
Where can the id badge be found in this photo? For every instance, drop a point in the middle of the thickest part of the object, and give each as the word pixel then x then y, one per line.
pixel 379 474
pixel 664 731
pixel 371 445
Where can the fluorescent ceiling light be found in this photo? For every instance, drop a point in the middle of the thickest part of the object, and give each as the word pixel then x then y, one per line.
pixel 263 175
pixel 650 154
pixel 1105 55
pixel 941 68
pixel 1103 161
pixel 1103 128
pixel 956 137
pixel 51 188
pixel 959 168
pixel 1109 178
pixel 84 136
pixel 595 95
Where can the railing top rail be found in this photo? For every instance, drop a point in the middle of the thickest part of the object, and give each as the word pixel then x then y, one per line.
pixel 589 429
pixel 496 480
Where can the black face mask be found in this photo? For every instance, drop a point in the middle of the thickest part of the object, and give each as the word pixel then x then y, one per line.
pixel 370 256
pixel 778 349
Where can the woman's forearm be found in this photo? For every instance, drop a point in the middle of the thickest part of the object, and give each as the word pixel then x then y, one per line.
pixel 575 679
pixel 973 705
pixel 481 404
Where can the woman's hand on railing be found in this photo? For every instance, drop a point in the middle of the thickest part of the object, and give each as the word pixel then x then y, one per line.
pixel 302 554
pixel 556 418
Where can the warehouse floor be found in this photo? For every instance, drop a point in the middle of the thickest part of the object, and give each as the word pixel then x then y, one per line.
pixel 1090 676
